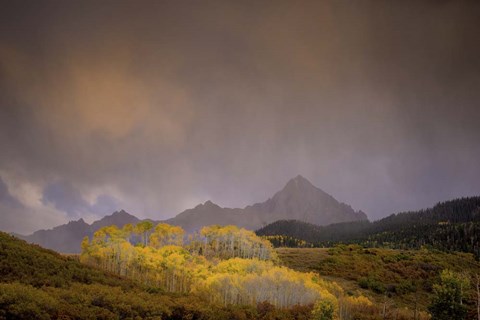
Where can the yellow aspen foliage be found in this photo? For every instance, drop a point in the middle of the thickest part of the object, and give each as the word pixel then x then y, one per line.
pixel 227 265
pixel 350 305
pixel 165 234
pixel 230 241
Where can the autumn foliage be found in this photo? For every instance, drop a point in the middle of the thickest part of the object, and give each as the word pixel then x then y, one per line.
pixel 225 265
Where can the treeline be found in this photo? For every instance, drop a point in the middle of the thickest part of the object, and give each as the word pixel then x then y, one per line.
pixel 279 241
pixel 450 226
pixel 313 234
pixel 464 237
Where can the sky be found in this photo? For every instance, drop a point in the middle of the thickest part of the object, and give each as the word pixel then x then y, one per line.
pixel 156 106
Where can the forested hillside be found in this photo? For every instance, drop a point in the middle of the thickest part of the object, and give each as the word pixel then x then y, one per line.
pixel 162 280
pixel 451 226
pixel 36 283
pixel 394 279
pixel 223 265
pixel 207 279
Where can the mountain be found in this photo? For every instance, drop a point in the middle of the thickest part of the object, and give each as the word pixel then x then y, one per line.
pixel 299 200
pixel 118 218
pixel 210 213
pixel 66 238
pixel 452 226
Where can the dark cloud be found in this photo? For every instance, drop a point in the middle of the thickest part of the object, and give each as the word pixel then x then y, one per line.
pixel 66 198
pixel 161 105
pixel 105 204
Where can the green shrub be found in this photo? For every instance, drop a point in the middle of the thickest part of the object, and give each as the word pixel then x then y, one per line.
pixel 323 310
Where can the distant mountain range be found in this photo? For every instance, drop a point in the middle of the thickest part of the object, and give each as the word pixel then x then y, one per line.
pixel 452 226
pixel 66 238
pixel 298 200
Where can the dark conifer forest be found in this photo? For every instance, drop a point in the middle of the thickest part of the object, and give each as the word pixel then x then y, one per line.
pixel 450 226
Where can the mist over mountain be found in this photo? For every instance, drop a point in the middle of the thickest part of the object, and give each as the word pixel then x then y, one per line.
pixel 298 200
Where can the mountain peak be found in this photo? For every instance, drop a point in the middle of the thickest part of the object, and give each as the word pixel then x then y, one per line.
pixel 299 182
pixel 207 205
pixel 118 218
pixel 120 213
pixel 301 200
pixel 77 222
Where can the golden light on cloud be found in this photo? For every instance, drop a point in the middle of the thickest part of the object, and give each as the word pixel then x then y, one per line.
pixel 107 99
pixel 170 101
pixel 100 95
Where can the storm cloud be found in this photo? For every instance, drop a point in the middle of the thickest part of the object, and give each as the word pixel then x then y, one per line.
pixel 155 106
pixel 66 198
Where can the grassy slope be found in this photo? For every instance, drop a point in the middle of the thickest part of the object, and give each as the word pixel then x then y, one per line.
pixel 396 272
pixel 36 266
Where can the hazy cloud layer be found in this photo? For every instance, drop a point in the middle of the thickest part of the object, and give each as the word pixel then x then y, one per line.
pixel 156 106
pixel 66 198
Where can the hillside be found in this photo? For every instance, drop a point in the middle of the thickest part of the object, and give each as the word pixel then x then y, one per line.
pixel 452 225
pixel 37 283
pixel 399 278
